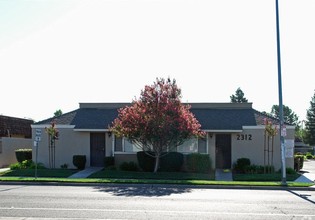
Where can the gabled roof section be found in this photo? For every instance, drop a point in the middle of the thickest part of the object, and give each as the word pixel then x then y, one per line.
pixel 260 117
pixel 224 116
pixel 94 118
pixel 64 119
pixel 88 116
pixel 224 119
pixel 211 116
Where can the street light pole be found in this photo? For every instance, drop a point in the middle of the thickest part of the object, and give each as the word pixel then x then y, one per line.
pixel 282 133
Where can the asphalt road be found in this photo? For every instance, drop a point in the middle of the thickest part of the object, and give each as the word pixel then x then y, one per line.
pixel 31 202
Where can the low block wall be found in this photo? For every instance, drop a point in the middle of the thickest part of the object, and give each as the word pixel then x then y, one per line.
pixel 8 147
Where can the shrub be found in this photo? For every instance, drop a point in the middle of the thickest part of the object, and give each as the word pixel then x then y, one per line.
pixel 198 163
pixel 16 166
pixel 298 162
pixel 109 161
pixel 110 168
pixel 64 166
pixel 26 164
pixel 129 166
pixel 270 169
pixel 309 155
pixel 289 170
pixel 79 161
pixel 171 162
pixel 255 169
pixel 242 165
pixel 23 154
pixel 146 162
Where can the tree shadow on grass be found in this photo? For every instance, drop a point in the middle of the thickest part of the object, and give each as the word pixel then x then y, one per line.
pixel 143 190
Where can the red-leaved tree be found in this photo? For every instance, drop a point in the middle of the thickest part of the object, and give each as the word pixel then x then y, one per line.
pixel 157 122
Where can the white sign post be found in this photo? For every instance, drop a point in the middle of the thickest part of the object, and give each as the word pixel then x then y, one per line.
pixel 38 134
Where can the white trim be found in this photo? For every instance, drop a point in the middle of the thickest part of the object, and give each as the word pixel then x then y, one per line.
pixel 223 131
pixel 91 130
pixel 207 144
pixel 48 125
pixel 113 145
pixel 254 127
pixel 121 152
pixel 263 127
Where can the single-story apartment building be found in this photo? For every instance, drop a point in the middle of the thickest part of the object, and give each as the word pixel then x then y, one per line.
pixel 15 133
pixel 233 131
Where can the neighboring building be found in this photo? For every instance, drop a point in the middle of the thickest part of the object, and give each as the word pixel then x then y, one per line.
pixel 15 133
pixel 301 147
pixel 233 131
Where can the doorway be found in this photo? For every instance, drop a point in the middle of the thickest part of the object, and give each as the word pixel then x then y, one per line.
pixel 97 149
pixel 223 151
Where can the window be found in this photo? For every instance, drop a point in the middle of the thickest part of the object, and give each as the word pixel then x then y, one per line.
pixel 202 145
pixel 123 145
pixel 129 147
pixel 193 145
pixel 118 144
pixel 189 146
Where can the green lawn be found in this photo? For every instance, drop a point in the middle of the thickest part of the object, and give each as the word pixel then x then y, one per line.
pixel 112 176
pixel 149 175
pixel 264 177
pixel 60 173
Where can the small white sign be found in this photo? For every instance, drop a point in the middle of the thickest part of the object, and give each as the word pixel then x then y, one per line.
pixel 284 131
pixel 38 132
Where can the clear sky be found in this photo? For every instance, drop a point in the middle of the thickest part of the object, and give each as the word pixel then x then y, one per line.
pixel 55 54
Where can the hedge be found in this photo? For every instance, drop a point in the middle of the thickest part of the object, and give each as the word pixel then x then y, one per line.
pixel 23 154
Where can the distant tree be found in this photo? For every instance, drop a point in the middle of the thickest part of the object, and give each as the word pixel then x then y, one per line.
pixel 310 123
pixel 300 133
pixel 58 113
pixel 238 97
pixel 157 122
pixel 288 115
pixel 266 113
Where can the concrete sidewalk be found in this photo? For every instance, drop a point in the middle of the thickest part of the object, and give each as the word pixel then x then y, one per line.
pixel 4 169
pixel 223 175
pixel 86 172
pixel 308 172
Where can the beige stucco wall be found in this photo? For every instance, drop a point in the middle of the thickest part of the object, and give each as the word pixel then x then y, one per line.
pixel 9 145
pixel 70 143
pixel 254 149
pixel 73 142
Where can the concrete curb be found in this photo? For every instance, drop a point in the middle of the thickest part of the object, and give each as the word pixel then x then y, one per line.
pixel 312 188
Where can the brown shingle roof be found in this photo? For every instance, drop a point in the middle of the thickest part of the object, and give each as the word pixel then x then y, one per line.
pixel 11 126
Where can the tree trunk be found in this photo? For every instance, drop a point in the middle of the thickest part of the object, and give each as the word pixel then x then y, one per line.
pixel 157 163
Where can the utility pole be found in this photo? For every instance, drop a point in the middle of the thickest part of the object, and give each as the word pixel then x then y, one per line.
pixel 282 128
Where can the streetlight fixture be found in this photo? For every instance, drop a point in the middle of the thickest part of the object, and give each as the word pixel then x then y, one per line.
pixel 281 121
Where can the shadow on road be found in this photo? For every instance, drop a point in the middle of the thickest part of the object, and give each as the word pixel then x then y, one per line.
pixel 143 190
pixel 303 196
